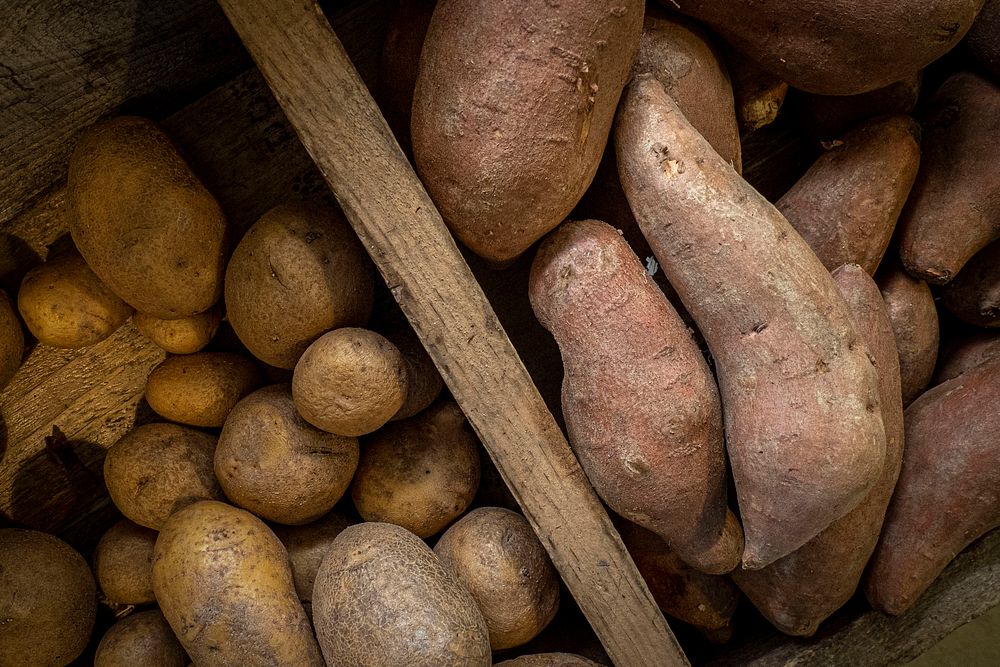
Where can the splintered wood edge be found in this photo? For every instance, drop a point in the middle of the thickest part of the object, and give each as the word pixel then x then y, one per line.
pixel 344 132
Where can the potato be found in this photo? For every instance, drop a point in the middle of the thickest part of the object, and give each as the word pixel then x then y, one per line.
pixel 965 352
pixel 155 469
pixel 11 340
pixel 272 462
pixel 974 295
pixel 307 545
pixel 200 389
pixel 123 563
pixel 423 382
pixel 350 382
pixel 184 336
pixel 143 638
pixel 143 221
pixel 224 584
pixel 64 304
pixel 494 553
pixel 297 273
pixel 983 40
pixel 420 473
pixel 509 125
pixel 549 660
pixel 758 94
pixel 833 115
pixel 382 599
pixel 48 600
pixel 915 322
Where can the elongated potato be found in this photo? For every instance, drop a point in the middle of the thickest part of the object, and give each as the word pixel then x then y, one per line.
pixel 11 340
pixel 833 115
pixel 307 546
pixel 847 204
pixel 954 210
pixel 949 489
pixel 143 638
pixel 641 407
pixel 143 221
pixel 224 584
pixel 201 389
pixel 974 295
pixel 915 322
pixel 184 336
pixel 838 47
pixel 799 591
pixel 382 598
pixel 508 127
pixel 966 352
pixel 123 563
pixel 799 392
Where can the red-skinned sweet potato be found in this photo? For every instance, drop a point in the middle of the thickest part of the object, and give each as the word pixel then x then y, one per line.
pixel 965 352
pixel 640 404
pixel 915 321
pixel 833 115
pixel 759 94
pixel 974 295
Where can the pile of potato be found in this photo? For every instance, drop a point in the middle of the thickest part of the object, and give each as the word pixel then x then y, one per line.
pixel 280 511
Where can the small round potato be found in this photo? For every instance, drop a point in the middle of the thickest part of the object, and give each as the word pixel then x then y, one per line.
pixel 123 563
pixel 184 336
pixel 383 598
pixel 156 469
pixel 296 274
pixel 201 389
pixel 11 340
pixel 272 462
pixel 307 545
pixel 350 382
pixel 225 586
pixel 424 383
pixel 549 660
pixel 64 304
pixel 143 638
pixel 420 473
pixel 497 556
pixel 48 600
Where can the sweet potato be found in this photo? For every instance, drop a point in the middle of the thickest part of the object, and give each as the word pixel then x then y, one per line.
pixel 513 105
pixel 965 352
pixel 799 392
pixel 759 94
pixel 847 204
pixel 915 321
pixel 799 591
pixel 983 40
pixel 833 115
pixel 974 295
pixel 838 47
pixel 949 489
pixel 954 210
pixel 641 408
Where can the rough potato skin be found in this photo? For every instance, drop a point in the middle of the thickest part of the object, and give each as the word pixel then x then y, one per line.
pixel 838 47
pixel 549 660
pixel 799 392
pixel 974 295
pixel 143 638
pixel 143 221
pixel 423 382
pixel 641 407
pixel 494 553
pixel 512 109
pixel 48 600
pixel 155 469
pixel 983 40
pixel 307 545
pixel 801 590
pixel 350 382
pixel 297 273
pixel 11 340
pixel 833 115
pixel 420 473
pixel 123 563
pixel 270 461
pixel 224 584
pixel 966 352
pixel 382 599
pixel 64 304
pixel 201 389
pixel 954 209
pixel 915 322
pixel 847 204
pixel 184 336
pixel 948 493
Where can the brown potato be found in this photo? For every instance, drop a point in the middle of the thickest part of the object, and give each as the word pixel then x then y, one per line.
pixel 11 340
pixel 983 40
pixel 915 323
pixel 156 469
pixel 307 545
pixel 65 304
pixel 184 336
pixel 974 295
pixel 48 600
pixel 964 352
pixel 297 273
pixel 123 563
pixel 549 660
pixel 759 94
pixel 272 462
pixel 423 382
pixel 224 584
pixel 140 639
pixel 494 553
pixel 143 221
pixel 200 389
pixel 350 382
pixel 833 115
pixel 420 473
pixel 382 598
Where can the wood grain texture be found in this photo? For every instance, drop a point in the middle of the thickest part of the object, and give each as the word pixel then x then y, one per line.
pixel 345 133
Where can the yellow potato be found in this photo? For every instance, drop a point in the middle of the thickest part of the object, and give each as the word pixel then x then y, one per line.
pixel 201 389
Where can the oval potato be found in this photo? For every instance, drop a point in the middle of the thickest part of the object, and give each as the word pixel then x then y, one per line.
pixel 123 563
pixel 201 389
pixel 184 336
pixel 307 545
pixel 140 639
